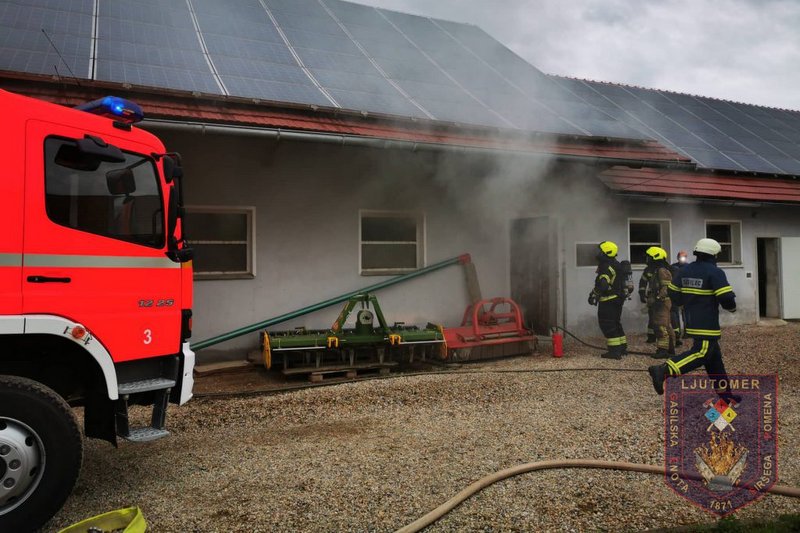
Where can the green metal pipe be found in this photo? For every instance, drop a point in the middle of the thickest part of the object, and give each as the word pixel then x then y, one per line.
pixel 461 259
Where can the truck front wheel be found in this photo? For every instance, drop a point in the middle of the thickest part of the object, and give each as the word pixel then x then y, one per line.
pixel 40 453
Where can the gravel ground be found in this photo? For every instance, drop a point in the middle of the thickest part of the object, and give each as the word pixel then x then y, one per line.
pixel 376 455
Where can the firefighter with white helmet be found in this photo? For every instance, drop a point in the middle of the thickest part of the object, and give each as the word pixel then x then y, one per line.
pixel 701 288
pixel 609 294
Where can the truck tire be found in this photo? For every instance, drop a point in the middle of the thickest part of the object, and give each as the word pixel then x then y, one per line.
pixel 41 451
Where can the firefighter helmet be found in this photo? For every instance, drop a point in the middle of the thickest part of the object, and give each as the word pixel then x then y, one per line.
pixel 609 248
pixel 707 246
pixel 656 253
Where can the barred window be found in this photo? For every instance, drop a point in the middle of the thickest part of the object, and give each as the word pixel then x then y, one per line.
pixel 728 235
pixel 642 234
pixel 390 242
pixel 223 241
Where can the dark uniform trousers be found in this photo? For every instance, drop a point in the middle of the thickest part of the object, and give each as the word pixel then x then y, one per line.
pixel 676 321
pixel 609 314
pixel 651 323
pixel 704 352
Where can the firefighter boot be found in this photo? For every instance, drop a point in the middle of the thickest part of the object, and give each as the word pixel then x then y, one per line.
pixel 651 338
pixel 614 352
pixel 662 353
pixel 658 373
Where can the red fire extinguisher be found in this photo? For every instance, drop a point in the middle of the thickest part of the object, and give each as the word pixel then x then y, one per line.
pixel 558 344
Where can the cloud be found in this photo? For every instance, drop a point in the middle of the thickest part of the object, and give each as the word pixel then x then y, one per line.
pixel 742 50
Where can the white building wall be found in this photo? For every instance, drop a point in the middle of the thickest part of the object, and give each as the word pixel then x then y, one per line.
pixel 308 196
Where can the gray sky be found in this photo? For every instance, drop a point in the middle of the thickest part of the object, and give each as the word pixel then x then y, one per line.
pixel 742 50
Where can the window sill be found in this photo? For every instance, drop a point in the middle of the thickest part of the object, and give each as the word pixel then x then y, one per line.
pixel 219 276
pixel 388 272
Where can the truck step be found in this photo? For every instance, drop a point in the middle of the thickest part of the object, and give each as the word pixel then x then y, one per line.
pixel 145 385
pixel 146 434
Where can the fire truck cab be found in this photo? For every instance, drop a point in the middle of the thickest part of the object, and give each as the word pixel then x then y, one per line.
pixel 95 292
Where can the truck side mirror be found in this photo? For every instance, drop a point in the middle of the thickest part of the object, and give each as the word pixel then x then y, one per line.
pixel 121 181
pixel 172 168
pixel 98 148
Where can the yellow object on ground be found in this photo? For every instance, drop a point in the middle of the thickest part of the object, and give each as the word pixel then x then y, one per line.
pixel 130 520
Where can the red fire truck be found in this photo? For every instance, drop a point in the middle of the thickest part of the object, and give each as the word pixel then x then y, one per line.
pixel 95 292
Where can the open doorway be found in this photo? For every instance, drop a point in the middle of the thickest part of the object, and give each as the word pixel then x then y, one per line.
pixel 769 281
pixel 533 271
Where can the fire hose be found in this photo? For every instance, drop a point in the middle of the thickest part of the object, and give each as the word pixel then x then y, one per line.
pixel 469 491
pixel 594 346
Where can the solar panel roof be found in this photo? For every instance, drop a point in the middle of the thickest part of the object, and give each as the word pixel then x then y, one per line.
pixel 338 54
pixel 717 134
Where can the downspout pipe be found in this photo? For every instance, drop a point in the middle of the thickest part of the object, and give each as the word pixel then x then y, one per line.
pixel 460 260
pixel 413 146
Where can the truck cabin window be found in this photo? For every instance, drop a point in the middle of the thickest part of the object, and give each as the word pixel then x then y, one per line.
pixel 121 200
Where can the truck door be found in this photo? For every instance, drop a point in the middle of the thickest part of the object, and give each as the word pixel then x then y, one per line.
pixel 11 209
pixel 94 242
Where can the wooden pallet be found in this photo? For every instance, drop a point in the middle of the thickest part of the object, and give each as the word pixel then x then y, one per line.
pixel 317 374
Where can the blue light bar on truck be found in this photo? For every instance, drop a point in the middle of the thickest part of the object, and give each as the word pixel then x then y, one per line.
pixel 115 108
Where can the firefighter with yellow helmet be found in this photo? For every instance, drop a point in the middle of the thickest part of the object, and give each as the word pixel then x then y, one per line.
pixel 701 288
pixel 608 295
pixel 659 301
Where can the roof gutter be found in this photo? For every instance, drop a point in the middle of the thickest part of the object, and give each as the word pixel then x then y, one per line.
pixel 279 134
pixel 702 200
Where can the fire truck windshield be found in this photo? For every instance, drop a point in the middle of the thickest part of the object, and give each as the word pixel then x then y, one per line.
pixel 117 200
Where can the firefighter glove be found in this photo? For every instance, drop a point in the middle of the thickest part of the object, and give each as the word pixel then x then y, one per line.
pixel 592 298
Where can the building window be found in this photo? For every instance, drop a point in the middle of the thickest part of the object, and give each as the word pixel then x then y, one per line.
pixel 391 242
pixel 642 234
pixel 729 237
pixel 586 254
pixel 223 239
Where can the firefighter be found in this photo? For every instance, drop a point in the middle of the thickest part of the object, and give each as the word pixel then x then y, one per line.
pixel 701 288
pixel 677 312
pixel 659 301
pixel 609 295
pixel 644 282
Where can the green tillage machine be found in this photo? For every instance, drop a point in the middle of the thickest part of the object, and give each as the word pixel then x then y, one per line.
pixel 365 346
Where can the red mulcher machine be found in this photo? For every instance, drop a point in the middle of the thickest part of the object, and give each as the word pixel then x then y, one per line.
pixel 489 329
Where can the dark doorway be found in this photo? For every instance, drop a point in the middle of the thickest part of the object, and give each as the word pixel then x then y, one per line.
pixel 533 271
pixel 769 287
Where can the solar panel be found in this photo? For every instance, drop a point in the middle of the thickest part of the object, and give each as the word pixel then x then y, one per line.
pixel 493 52
pixel 376 103
pixel 350 81
pixel 353 13
pixel 334 61
pixel 752 162
pixel 323 24
pixel 156 47
pixel 711 159
pixel 24 47
pixel 462 112
pixel 224 45
pixel 308 8
pixel 787 164
pixel 379 33
pixel 333 43
pixel 275 91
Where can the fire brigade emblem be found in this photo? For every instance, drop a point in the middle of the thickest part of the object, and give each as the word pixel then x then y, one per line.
pixel 721 439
